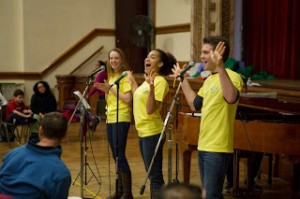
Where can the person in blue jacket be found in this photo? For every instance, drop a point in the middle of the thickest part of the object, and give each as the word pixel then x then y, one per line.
pixel 35 170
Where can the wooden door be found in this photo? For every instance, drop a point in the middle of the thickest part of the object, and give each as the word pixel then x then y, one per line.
pixel 125 12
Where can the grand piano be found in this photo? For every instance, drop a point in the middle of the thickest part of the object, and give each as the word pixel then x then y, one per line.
pixel 263 124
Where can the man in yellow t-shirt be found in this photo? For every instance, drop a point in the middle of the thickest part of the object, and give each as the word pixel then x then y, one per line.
pixel 218 100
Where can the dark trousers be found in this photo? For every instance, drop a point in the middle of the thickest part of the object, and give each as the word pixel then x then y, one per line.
pixel 118 150
pixel 17 119
pixel 147 147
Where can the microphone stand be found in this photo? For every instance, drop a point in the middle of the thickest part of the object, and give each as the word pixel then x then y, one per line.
pixel 117 139
pixel 162 134
pixel 83 130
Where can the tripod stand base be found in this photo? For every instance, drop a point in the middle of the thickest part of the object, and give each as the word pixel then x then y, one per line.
pixel 78 197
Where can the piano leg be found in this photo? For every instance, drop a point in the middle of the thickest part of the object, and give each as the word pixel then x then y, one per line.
pixel 238 154
pixel 236 172
pixel 296 180
pixel 186 165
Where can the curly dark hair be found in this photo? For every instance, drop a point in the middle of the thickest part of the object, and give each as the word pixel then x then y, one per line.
pixel 47 87
pixel 168 62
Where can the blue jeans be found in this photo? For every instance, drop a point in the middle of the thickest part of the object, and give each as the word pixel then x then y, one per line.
pixel 123 129
pixel 19 119
pixel 213 167
pixel 147 148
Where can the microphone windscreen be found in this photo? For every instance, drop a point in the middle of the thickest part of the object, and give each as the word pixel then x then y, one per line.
pixel 102 67
pixel 124 74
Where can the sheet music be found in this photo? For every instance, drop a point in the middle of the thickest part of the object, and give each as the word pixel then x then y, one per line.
pixel 84 102
pixel 3 101
pixel 194 114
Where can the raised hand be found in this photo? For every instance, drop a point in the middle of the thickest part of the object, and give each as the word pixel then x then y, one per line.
pixel 216 56
pixel 176 70
pixel 150 78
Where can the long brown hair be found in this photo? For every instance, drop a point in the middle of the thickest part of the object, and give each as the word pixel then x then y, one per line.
pixel 124 64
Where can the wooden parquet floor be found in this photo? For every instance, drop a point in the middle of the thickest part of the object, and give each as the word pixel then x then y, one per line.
pixel 99 172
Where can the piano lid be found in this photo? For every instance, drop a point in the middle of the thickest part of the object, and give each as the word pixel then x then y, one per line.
pixel 286 100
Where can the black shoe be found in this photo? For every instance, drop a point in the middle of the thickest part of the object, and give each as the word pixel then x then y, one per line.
pixel 257 188
pixel 94 124
pixel 228 190
pixel 11 138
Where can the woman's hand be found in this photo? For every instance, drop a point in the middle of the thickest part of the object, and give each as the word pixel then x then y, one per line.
pixel 150 78
pixel 176 70
pixel 102 86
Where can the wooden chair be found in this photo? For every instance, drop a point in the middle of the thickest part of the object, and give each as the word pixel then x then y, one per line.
pixel 4 125
pixel 23 131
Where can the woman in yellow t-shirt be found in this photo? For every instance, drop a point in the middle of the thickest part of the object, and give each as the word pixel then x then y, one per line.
pixel 118 131
pixel 147 100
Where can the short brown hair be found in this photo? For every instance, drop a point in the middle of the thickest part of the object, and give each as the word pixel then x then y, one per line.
pixel 18 92
pixel 214 40
pixel 54 125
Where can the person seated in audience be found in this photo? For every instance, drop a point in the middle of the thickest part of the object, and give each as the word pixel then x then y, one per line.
pixel 16 111
pixel 42 101
pixel 180 191
pixel 35 170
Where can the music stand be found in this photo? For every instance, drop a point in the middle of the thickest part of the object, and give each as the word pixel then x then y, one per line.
pixel 84 107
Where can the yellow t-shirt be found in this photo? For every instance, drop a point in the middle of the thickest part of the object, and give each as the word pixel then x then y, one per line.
pixel 111 100
pixel 148 125
pixel 218 116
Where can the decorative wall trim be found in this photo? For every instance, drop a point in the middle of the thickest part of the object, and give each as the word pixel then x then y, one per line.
pixel 173 29
pixel 196 30
pixel 20 75
pixel 226 18
pixel 63 57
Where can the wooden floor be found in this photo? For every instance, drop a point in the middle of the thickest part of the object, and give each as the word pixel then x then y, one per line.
pixel 100 167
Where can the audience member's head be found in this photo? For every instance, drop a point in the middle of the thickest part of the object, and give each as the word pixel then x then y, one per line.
pixel 41 87
pixel 180 191
pixel 54 126
pixel 18 92
pixel 18 96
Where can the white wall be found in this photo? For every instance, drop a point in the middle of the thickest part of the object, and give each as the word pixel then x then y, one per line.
pixel 35 32
pixel 51 27
pixel 11 37
pixel 174 12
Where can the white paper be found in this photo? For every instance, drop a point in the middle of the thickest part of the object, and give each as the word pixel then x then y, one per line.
pixel 194 114
pixel 83 101
pixel 3 101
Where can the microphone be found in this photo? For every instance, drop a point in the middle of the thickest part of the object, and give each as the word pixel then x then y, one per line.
pixel 191 64
pixel 124 74
pixel 101 68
